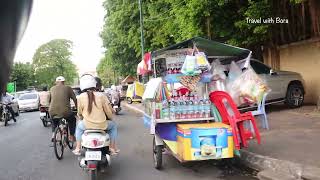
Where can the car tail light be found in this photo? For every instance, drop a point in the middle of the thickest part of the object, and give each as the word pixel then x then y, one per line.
pixel 92 166
pixel 42 109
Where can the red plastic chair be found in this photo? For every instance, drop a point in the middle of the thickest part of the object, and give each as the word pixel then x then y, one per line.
pixel 231 115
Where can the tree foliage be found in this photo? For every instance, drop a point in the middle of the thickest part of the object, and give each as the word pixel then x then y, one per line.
pixel 53 59
pixel 171 21
pixel 23 75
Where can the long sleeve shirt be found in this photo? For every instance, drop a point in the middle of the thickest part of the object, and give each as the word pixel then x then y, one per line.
pixel 101 111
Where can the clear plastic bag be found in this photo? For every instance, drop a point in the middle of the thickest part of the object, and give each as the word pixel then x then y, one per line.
pixel 247 88
pixel 234 72
pixel 218 70
pixel 189 66
pixel 202 61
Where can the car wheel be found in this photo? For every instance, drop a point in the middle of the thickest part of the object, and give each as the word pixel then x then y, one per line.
pixel 17 113
pixel 295 96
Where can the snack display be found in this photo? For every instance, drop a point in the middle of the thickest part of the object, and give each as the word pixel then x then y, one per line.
pixel 190 81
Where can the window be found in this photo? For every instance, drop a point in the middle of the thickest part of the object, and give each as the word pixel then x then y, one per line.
pixel 28 96
pixel 260 68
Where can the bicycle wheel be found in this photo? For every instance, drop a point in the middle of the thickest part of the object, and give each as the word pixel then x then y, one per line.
pixel 58 143
pixel 69 143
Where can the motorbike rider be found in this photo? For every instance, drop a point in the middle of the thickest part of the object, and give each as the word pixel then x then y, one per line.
pixel 44 96
pixel 96 113
pixel 60 107
pixel 7 100
pixel 115 94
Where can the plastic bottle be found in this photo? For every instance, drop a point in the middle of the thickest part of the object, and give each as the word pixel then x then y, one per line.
pixel 172 110
pixel 190 109
pixel 165 110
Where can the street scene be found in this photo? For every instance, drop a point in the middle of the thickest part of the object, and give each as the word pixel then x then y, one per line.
pixel 153 89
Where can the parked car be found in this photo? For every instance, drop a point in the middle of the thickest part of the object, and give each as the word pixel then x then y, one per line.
pixel 29 101
pixel 14 105
pixel 286 86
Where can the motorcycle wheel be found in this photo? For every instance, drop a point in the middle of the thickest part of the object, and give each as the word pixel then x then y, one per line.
pixel 6 119
pixel 93 174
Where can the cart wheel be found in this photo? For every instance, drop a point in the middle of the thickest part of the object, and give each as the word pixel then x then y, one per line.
pixel 157 154
pixel 129 100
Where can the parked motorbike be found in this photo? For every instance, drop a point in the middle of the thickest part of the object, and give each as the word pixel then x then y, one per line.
pixel 6 116
pixel 95 154
pixel 44 116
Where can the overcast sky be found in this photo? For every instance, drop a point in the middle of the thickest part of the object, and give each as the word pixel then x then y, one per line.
pixel 77 20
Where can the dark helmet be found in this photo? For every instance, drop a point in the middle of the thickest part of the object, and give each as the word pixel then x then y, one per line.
pixel 99 83
pixel 45 88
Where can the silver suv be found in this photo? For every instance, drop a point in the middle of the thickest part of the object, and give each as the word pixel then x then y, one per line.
pixel 285 86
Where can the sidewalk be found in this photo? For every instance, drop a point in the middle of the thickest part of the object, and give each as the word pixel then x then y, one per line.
pixel 290 147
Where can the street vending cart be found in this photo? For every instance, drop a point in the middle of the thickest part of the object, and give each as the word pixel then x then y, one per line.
pixel 178 110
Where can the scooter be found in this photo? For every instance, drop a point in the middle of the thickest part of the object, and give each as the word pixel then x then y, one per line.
pixel 115 106
pixel 44 116
pixel 95 153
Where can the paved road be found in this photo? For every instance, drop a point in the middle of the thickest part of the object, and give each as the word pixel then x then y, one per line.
pixel 25 154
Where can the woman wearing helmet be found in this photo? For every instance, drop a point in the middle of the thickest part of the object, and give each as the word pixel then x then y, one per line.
pixel 95 111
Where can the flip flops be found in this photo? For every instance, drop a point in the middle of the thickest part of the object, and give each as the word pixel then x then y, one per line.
pixel 76 152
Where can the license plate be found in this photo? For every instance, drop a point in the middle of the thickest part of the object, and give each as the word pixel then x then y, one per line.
pixel 43 114
pixel 93 155
pixel 115 107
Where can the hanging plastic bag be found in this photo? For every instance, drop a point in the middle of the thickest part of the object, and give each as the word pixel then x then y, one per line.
pixel 218 70
pixel 189 66
pixel 248 88
pixel 202 61
pixel 234 72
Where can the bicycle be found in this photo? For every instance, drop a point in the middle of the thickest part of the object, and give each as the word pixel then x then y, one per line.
pixel 61 138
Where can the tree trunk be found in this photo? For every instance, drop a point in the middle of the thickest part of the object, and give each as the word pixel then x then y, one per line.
pixel 314 14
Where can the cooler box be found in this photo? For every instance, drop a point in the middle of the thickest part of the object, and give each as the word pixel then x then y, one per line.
pixel 203 141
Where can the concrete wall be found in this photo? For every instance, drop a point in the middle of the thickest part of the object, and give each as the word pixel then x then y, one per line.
pixel 304 58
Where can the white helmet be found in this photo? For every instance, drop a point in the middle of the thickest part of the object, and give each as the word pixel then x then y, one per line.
pixel 113 87
pixel 60 78
pixel 87 81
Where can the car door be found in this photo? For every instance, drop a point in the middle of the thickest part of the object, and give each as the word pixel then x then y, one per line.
pixel 273 80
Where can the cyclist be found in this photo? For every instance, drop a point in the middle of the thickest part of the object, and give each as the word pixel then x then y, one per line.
pixel 94 109
pixel 60 107
pixel 7 100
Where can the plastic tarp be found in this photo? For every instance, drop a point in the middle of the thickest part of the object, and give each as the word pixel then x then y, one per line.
pixel 226 53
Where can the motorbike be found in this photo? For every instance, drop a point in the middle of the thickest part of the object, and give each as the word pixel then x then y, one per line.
pixel 115 106
pixel 114 99
pixel 95 153
pixel 6 116
pixel 44 116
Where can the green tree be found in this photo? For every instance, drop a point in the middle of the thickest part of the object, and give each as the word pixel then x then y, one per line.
pixel 170 21
pixel 23 75
pixel 53 59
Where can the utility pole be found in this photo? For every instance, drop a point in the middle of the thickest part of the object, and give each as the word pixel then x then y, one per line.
pixel 141 29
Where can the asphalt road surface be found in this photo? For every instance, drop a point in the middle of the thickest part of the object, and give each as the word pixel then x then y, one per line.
pixel 25 154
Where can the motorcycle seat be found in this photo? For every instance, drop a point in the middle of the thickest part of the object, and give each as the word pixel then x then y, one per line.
pixel 95 131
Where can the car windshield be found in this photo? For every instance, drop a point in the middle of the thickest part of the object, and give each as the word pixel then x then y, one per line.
pixel 28 96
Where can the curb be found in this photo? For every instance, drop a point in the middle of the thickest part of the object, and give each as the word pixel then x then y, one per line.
pixel 275 169
pixel 270 168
